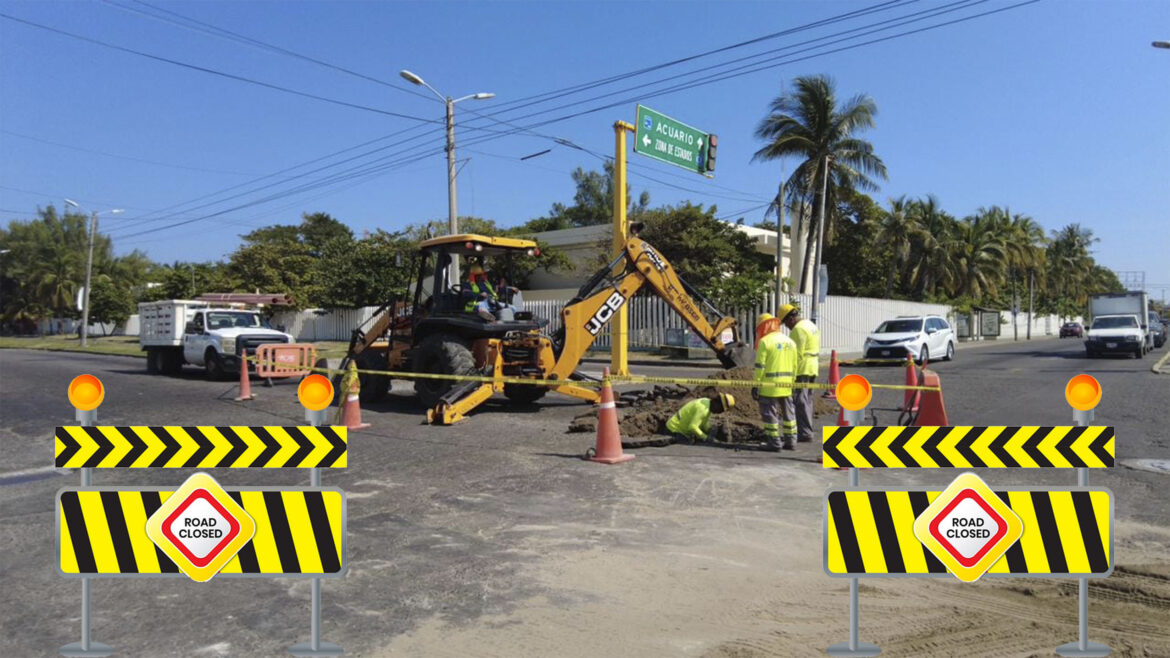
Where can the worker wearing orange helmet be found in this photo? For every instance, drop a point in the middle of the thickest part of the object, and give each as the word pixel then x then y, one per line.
pixel 807 337
pixel 774 373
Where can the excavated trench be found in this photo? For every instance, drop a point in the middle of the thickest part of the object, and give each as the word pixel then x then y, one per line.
pixel 643 414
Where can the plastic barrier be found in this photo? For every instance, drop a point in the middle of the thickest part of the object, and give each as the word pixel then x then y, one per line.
pixel 280 360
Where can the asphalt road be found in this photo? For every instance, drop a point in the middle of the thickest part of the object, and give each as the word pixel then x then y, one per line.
pixel 444 521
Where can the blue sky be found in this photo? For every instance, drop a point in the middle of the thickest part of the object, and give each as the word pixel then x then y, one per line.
pixel 1058 110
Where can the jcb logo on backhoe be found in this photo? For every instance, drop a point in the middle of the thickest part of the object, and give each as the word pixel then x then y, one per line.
pixel 603 314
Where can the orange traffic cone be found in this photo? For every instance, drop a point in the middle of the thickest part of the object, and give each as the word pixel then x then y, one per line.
pixel 351 407
pixel 834 377
pixel 609 438
pixel 910 401
pixel 245 381
pixel 934 410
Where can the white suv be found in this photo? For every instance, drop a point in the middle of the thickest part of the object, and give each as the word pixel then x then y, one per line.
pixel 921 337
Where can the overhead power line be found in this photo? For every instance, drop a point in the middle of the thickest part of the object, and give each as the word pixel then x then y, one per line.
pixel 123 157
pixel 188 23
pixel 223 74
pixel 791 57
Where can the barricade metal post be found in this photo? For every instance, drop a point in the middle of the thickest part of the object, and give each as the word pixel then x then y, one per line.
pixel 854 394
pixel 315 393
pixel 1083 394
pixel 86 394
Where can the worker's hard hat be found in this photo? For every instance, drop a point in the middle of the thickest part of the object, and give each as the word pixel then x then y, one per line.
pixel 728 400
pixel 787 310
pixel 764 317
pixel 475 268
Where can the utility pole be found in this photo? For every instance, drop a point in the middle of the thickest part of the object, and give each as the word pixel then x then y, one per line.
pixel 816 273
pixel 779 241
pixel 88 277
pixel 1032 301
pixel 452 212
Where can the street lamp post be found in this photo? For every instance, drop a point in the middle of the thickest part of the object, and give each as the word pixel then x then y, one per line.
pixel 93 218
pixel 452 211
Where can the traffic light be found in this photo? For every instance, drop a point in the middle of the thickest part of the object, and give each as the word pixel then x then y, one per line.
pixel 709 161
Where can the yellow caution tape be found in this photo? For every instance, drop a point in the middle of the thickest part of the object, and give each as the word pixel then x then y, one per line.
pixel 615 379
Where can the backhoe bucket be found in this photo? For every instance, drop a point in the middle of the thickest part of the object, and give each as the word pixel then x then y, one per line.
pixel 737 355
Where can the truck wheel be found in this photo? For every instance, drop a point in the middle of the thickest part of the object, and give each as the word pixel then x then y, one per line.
pixel 523 393
pixel 213 366
pixel 441 354
pixel 152 362
pixel 1141 351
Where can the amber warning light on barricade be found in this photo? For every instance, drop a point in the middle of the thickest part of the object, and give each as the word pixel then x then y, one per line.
pixel 315 392
pixel 1083 392
pixel 854 392
pixel 86 392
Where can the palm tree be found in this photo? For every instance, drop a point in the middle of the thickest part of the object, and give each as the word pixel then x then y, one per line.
pixel 933 268
pixel 896 231
pixel 809 124
pixel 979 256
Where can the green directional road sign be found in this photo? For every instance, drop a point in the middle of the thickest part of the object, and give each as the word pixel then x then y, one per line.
pixel 662 138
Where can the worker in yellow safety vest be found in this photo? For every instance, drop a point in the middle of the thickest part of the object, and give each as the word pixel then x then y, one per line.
pixel 774 376
pixel 692 420
pixel 479 289
pixel 807 337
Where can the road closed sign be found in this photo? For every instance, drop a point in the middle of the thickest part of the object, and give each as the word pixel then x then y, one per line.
pixel 200 527
pixel 968 528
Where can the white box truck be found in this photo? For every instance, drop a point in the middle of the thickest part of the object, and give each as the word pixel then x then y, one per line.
pixel 1119 322
pixel 174 332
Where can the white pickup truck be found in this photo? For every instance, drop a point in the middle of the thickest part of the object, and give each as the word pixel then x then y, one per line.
pixel 1115 333
pixel 177 331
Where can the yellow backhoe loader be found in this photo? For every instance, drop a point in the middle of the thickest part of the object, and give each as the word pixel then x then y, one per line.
pixel 448 328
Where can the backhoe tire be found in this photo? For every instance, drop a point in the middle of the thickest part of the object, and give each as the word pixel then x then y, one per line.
pixel 441 354
pixel 374 388
pixel 524 393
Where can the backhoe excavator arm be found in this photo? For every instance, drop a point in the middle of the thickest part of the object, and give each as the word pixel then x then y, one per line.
pixel 586 315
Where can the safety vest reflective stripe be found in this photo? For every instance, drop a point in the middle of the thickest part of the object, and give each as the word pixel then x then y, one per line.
pixel 779 374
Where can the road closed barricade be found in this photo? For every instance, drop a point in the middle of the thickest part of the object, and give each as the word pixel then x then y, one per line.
pixel 968 529
pixel 199 529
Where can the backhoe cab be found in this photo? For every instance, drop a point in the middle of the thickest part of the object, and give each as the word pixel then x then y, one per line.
pixel 448 327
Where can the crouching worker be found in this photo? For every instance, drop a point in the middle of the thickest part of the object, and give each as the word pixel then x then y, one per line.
pixel 692 421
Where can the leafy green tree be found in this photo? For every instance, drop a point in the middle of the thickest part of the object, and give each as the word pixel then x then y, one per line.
pixel 857 262
pixel 811 125
pixel 365 272
pixel 592 202
pixel 109 303
pixel 719 261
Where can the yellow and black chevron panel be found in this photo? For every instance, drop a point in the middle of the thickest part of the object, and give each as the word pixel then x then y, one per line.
pixel 1066 533
pixel 968 447
pixel 102 532
pixel 200 447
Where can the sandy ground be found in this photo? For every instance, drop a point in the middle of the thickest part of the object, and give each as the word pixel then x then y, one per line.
pixel 759 590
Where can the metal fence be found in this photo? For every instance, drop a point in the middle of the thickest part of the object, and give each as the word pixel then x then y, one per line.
pixel 844 321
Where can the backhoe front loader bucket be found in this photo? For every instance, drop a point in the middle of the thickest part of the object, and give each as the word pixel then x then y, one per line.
pixel 737 355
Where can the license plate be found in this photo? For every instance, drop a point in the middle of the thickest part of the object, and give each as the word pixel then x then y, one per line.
pixel 1111 345
pixel 885 352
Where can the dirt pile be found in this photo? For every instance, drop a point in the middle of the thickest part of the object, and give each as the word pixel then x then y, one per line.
pixel 644 413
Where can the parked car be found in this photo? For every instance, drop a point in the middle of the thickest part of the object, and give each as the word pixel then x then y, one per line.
pixel 920 337
pixel 1115 333
pixel 1157 329
pixel 1072 329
